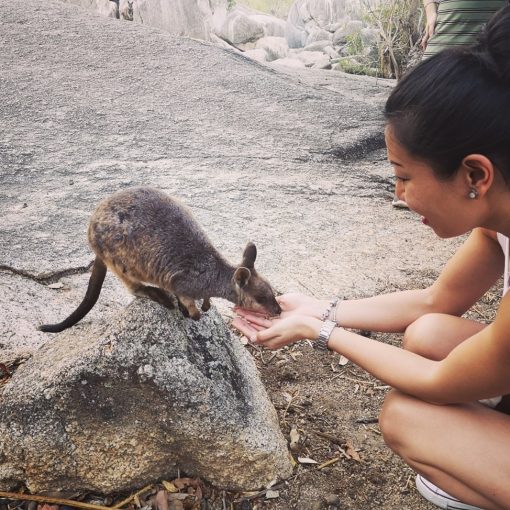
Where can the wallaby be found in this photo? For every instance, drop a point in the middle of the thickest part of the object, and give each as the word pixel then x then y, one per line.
pixel 154 245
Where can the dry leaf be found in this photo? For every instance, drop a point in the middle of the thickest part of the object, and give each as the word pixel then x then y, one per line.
pixel 161 500
pixel 306 460
pixel 169 486
pixel 294 439
pixel 57 285
pixel 177 496
pixel 288 396
pixel 272 494
pixel 47 507
pixel 353 454
pixel 343 361
pixel 136 501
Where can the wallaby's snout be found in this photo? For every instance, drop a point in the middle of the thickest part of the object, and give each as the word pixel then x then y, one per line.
pixel 274 308
pixel 253 291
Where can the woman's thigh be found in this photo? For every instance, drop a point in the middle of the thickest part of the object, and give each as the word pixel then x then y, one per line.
pixel 434 335
pixel 459 447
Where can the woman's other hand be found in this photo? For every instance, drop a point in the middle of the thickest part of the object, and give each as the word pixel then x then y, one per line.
pixel 274 333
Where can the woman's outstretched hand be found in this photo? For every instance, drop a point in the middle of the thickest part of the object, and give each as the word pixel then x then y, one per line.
pixel 299 320
pixel 275 332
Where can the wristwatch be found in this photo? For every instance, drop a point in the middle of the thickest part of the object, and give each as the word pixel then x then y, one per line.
pixel 322 340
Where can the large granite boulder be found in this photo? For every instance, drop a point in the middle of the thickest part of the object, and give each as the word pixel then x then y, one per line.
pixel 309 20
pixel 193 18
pixel 109 407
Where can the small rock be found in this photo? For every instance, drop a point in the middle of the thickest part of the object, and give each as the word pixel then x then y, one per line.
pixel 332 500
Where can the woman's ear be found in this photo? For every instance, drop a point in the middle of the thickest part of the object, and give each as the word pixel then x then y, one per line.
pixel 479 173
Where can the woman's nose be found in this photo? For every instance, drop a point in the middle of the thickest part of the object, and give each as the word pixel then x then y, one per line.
pixel 399 190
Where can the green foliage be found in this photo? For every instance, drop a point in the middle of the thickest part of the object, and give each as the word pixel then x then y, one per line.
pixel 400 23
pixel 359 59
pixel 279 8
pixel 354 44
pixel 231 4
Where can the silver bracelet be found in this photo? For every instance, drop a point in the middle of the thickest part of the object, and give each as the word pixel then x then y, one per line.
pixel 321 343
pixel 331 308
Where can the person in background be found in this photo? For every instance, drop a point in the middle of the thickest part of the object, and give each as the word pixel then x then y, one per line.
pixel 453 24
pixel 448 140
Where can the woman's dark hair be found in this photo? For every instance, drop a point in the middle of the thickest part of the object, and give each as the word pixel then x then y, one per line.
pixel 458 103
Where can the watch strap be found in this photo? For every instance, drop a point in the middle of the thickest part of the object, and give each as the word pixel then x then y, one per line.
pixel 321 343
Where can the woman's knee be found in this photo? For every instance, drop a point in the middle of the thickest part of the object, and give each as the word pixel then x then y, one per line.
pixel 434 335
pixel 398 421
pixel 423 336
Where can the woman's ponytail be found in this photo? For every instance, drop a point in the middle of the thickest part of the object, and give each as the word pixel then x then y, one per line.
pixel 494 42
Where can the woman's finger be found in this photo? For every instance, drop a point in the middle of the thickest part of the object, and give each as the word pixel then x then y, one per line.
pixel 267 335
pixel 244 327
pixel 257 320
pixel 244 311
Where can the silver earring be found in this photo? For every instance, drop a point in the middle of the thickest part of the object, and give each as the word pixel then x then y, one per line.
pixel 473 193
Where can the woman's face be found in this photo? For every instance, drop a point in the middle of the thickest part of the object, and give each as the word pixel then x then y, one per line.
pixel 443 205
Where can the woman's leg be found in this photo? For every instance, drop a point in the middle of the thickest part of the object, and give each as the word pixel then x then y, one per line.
pixel 434 335
pixel 464 448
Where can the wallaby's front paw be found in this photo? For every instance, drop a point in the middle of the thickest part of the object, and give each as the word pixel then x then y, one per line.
pixel 195 315
pixel 206 304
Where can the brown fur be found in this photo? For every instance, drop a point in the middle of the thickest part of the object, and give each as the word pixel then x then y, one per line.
pixel 153 244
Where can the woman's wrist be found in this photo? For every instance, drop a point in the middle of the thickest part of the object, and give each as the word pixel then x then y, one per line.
pixel 329 310
pixel 312 327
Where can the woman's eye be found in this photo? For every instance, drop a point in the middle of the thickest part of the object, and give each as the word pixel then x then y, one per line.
pixel 401 179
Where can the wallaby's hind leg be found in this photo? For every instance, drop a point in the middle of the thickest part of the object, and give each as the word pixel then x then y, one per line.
pixel 93 290
pixel 189 307
pixel 154 293
pixel 206 304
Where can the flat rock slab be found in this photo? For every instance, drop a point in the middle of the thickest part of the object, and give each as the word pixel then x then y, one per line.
pixel 89 105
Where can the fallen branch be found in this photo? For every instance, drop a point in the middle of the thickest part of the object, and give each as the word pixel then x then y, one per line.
pixel 55 501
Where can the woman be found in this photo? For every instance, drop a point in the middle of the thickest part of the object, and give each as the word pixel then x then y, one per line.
pixel 448 139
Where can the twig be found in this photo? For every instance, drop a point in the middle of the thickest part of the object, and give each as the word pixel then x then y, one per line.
pixel 357 381
pixel 329 437
pixel 56 501
pixel 329 462
pixel 262 492
pixel 133 496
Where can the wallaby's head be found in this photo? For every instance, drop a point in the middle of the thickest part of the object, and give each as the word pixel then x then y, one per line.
pixel 253 291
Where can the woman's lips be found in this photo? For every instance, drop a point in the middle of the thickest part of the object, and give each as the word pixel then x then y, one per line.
pixel 424 220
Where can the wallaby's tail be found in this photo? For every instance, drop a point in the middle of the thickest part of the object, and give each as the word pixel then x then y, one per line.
pixel 93 290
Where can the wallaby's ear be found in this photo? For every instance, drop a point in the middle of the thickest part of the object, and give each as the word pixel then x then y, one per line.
pixel 249 256
pixel 242 276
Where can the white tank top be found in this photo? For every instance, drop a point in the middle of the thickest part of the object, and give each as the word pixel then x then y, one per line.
pixel 504 241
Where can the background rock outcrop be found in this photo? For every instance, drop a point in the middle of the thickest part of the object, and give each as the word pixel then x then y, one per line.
pixel 114 406
pixel 193 18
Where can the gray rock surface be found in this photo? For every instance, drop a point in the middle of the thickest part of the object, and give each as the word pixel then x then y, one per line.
pixel 281 157
pixel 109 408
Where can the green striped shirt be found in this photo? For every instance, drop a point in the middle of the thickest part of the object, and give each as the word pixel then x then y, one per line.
pixel 459 22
